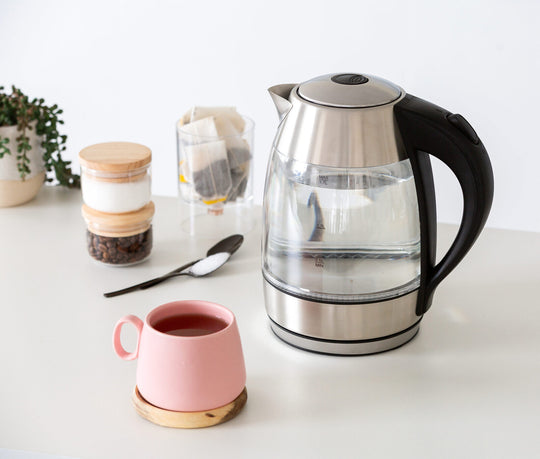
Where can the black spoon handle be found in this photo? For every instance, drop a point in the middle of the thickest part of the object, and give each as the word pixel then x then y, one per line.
pixel 148 283
pixel 159 280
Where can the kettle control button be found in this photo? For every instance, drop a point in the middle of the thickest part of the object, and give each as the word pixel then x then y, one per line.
pixel 349 78
pixel 463 125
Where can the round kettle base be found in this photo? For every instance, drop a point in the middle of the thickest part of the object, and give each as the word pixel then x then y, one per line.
pixel 363 347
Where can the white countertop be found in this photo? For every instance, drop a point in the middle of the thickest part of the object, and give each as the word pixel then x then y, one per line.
pixel 467 386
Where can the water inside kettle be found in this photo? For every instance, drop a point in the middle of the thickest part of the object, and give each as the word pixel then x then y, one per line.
pixel 341 234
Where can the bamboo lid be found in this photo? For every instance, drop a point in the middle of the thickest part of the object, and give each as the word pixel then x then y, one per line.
pixel 115 156
pixel 118 224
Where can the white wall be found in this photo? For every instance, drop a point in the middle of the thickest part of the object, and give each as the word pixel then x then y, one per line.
pixel 127 70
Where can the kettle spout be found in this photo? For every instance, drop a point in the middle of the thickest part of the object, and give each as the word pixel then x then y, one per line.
pixel 280 95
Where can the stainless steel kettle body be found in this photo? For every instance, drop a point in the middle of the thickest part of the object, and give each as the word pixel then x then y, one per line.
pixel 349 211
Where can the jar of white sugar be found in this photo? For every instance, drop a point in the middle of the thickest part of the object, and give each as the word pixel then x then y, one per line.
pixel 115 176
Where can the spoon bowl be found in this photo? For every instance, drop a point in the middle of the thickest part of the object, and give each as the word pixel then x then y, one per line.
pixel 230 244
pixel 203 267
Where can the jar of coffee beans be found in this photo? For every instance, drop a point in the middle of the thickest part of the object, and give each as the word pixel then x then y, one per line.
pixel 119 239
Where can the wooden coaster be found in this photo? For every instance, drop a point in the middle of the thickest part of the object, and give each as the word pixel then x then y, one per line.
pixel 185 419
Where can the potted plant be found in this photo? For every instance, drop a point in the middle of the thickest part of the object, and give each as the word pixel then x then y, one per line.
pixel 31 148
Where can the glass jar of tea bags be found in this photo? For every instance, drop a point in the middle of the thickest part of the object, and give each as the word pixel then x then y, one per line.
pixel 119 239
pixel 115 176
pixel 215 153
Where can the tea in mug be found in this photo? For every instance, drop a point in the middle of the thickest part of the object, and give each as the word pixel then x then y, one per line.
pixel 190 325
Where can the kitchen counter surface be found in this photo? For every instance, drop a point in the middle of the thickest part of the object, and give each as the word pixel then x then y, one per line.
pixel 467 386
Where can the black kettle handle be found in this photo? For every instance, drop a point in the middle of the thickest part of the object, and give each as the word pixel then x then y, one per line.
pixel 427 129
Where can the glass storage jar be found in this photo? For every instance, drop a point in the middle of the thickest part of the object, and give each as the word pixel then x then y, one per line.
pixel 119 239
pixel 115 176
pixel 215 174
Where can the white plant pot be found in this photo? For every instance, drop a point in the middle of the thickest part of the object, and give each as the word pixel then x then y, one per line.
pixel 14 190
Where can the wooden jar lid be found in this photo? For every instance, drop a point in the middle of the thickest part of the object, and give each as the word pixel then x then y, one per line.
pixel 115 156
pixel 118 224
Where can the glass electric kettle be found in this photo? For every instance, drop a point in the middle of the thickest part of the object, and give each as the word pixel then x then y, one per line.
pixel 349 211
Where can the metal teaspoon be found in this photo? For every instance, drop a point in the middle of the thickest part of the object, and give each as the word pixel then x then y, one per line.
pixel 229 245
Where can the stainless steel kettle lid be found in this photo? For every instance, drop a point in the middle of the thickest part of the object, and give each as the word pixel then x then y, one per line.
pixel 349 90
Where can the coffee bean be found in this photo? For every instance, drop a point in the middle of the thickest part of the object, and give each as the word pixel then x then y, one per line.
pixel 119 250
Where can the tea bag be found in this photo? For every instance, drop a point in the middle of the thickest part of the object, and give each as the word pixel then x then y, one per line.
pixel 199 131
pixel 239 179
pixel 223 113
pixel 238 155
pixel 209 170
pixel 237 148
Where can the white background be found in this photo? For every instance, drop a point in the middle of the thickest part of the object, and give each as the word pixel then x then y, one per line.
pixel 127 70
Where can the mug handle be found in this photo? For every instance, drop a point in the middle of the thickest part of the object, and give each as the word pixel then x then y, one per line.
pixel 117 344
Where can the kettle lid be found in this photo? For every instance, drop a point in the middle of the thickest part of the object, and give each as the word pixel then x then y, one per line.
pixel 349 90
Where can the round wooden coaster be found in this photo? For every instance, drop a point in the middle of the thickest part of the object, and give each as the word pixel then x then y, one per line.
pixel 185 419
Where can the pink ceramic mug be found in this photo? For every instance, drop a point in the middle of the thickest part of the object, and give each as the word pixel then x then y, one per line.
pixel 190 355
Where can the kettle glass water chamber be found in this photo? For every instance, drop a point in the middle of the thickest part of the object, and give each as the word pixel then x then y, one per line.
pixel 341 235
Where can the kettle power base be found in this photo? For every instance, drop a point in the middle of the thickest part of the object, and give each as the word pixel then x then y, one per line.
pixel 363 347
